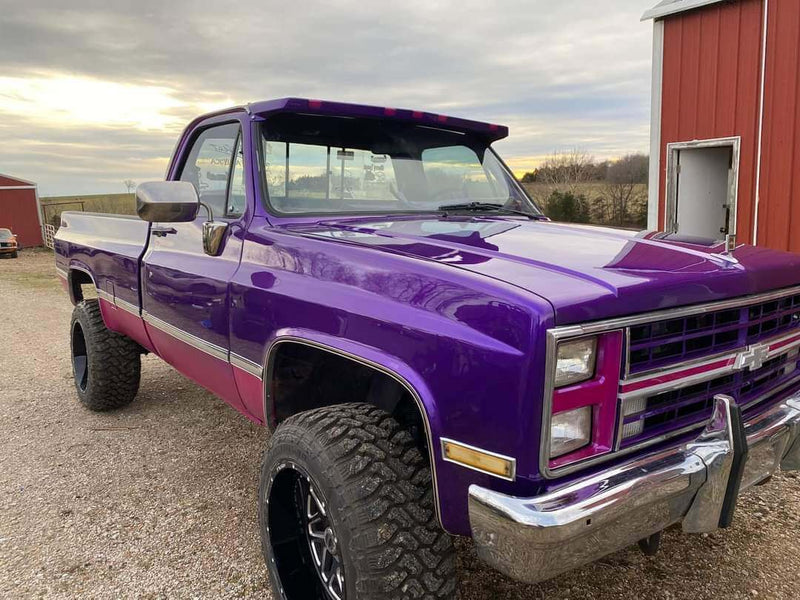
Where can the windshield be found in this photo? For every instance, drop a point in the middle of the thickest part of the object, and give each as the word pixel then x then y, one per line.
pixel 314 164
pixel 5 234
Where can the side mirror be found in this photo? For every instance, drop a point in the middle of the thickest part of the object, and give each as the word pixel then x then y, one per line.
pixel 167 201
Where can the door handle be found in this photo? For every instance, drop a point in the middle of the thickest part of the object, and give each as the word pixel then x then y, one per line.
pixel 162 231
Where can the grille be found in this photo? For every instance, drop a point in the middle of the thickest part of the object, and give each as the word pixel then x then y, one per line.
pixel 5 244
pixel 660 413
pixel 673 341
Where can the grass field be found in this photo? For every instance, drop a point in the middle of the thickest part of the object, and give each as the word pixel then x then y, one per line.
pixel 119 204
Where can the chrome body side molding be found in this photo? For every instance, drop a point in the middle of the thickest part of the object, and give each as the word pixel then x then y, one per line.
pixel 200 344
pixel 247 365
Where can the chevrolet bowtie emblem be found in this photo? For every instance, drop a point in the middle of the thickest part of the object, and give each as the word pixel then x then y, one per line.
pixel 752 358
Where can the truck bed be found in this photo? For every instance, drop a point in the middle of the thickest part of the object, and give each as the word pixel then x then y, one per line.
pixel 107 247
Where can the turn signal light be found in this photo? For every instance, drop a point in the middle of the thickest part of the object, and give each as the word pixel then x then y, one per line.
pixel 479 460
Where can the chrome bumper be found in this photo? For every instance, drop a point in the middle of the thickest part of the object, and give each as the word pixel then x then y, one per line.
pixel 533 539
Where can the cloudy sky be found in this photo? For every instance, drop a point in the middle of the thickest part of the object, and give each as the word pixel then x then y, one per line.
pixel 96 92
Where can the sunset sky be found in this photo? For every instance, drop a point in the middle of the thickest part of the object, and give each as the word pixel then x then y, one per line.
pixel 96 92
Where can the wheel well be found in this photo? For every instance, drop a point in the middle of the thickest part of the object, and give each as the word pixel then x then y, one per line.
pixel 303 377
pixel 78 279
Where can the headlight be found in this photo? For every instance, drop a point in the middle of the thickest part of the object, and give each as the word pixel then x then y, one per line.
pixel 570 431
pixel 575 362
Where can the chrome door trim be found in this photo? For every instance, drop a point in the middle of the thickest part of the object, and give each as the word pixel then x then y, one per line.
pixel 247 365
pixel 118 303
pixel 213 350
pixel 127 306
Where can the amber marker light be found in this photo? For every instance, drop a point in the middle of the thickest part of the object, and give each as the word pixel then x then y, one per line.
pixel 479 460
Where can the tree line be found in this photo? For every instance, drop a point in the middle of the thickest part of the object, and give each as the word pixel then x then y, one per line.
pixel 574 186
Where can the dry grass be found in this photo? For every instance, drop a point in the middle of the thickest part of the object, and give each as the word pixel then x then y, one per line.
pixel 119 204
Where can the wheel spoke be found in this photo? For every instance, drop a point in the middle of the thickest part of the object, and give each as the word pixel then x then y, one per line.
pixel 335 588
pixel 320 505
pixel 323 562
pixel 322 541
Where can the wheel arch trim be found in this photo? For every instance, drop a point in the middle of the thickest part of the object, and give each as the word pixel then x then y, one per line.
pixel 369 357
pixel 71 287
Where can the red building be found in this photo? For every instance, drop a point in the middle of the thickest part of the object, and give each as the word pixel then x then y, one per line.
pixel 725 130
pixel 19 210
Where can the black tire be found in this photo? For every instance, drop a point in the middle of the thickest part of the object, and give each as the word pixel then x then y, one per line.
pixel 14 254
pixel 378 491
pixel 106 366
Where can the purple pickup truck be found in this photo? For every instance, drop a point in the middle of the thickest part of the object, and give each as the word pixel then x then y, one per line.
pixel 433 356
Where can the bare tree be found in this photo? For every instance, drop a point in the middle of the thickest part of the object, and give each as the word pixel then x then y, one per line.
pixel 625 184
pixel 566 169
pixel 129 184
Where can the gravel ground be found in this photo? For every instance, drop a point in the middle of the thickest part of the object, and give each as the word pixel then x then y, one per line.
pixel 159 500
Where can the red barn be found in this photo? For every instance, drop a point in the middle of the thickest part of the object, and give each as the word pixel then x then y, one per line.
pixel 725 129
pixel 19 210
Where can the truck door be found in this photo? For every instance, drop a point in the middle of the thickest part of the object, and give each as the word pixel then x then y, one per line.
pixel 184 290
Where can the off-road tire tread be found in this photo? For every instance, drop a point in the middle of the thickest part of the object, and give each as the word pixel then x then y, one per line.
pixel 114 361
pixel 397 548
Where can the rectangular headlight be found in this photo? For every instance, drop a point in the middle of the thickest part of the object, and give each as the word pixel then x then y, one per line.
pixel 570 431
pixel 575 361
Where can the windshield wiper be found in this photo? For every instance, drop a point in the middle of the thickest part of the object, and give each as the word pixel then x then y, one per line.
pixel 488 207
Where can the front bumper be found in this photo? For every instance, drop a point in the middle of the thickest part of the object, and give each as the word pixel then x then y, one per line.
pixel 696 484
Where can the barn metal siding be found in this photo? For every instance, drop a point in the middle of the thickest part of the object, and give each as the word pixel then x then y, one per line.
pixel 710 89
pixel 779 205
pixel 18 213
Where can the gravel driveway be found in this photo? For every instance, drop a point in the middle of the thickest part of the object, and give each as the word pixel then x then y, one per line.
pixel 159 500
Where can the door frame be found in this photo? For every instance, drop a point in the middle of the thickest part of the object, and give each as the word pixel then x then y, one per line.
pixel 671 204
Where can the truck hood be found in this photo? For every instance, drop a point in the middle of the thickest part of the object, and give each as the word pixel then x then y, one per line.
pixel 586 273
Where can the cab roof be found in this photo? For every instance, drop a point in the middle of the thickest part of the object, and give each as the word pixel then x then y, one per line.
pixel 489 131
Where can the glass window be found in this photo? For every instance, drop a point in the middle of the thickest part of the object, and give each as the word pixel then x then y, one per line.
pixel 317 164
pixel 325 176
pixel 208 165
pixel 456 173
pixel 237 196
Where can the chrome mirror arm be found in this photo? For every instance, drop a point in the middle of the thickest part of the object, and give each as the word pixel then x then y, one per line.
pixel 208 210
